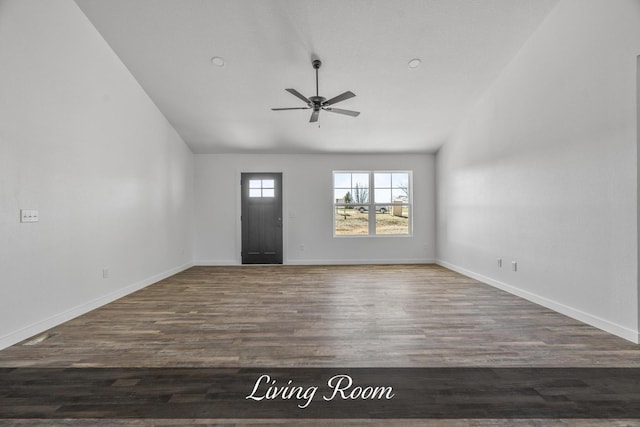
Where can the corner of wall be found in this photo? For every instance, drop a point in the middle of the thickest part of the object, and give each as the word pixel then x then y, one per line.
pixel 638 189
pixel 59 318
pixel 598 322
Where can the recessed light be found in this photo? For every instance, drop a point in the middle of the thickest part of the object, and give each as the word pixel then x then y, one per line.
pixel 217 61
pixel 414 63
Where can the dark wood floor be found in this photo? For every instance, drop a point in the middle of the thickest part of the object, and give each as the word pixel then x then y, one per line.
pixel 346 316
pixel 324 316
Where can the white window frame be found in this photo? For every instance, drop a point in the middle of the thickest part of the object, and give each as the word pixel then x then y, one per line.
pixel 372 205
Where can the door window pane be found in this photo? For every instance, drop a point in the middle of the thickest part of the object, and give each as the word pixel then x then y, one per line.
pixel 262 188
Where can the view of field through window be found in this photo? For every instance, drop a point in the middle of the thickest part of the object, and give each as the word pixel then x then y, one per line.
pixel 372 203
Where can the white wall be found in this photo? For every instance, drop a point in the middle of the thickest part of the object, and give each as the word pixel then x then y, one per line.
pixel 82 143
pixel 544 170
pixel 308 210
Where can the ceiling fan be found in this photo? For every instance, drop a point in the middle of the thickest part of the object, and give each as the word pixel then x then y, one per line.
pixel 318 102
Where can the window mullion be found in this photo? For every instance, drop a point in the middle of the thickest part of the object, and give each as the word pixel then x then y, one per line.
pixel 372 206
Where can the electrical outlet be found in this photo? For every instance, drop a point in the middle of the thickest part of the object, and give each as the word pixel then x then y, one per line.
pixel 500 262
pixel 514 265
pixel 301 248
pixel 105 273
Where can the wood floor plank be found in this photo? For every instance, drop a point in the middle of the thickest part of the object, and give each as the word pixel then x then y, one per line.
pixel 323 316
pixel 316 316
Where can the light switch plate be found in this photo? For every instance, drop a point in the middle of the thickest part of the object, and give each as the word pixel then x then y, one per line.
pixel 28 215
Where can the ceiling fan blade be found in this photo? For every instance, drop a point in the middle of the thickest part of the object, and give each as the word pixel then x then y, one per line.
pixel 341 111
pixel 314 116
pixel 293 108
pixel 299 95
pixel 348 94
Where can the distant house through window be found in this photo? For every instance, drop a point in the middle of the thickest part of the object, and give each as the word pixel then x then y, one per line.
pixel 372 203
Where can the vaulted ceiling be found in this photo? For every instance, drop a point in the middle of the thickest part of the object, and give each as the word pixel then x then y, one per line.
pixel 268 45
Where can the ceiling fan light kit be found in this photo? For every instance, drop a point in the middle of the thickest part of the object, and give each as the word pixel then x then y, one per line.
pixel 317 102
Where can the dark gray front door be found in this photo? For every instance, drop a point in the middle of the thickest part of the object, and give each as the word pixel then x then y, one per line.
pixel 261 218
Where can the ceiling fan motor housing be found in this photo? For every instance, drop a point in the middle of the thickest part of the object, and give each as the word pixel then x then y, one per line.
pixel 316 101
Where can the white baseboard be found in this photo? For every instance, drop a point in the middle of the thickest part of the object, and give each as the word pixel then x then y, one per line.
pixel 55 320
pixel 605 325
pixel 357 261
pixel 214 263
pixel 207 263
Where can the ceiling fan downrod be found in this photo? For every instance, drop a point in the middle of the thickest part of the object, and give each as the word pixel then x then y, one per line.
pixel 316 64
